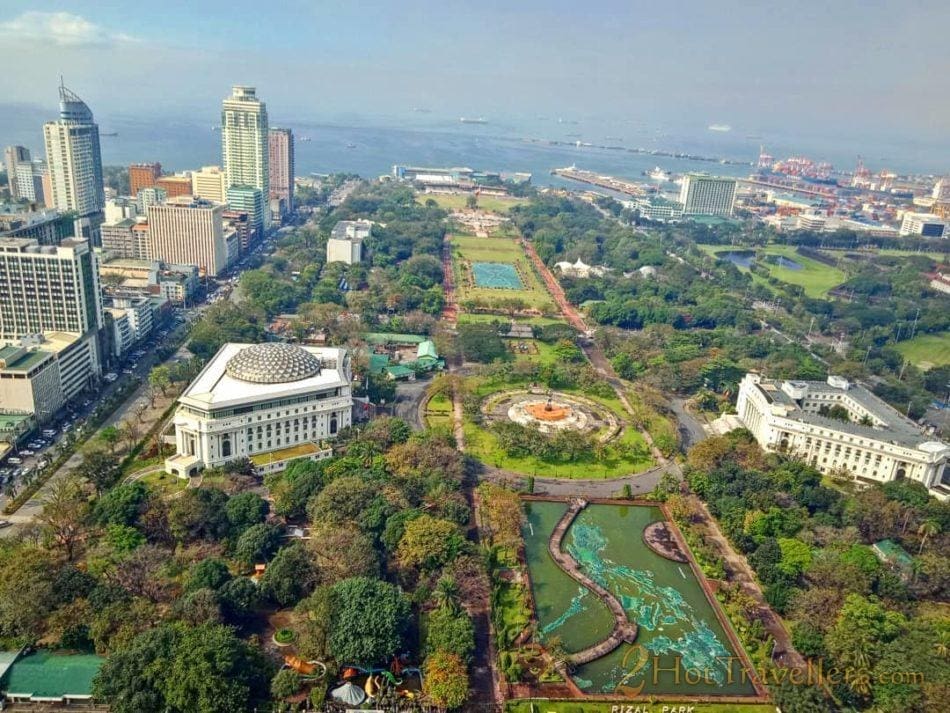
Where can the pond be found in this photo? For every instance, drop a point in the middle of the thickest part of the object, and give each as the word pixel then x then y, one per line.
pixel 740 258
pixel 782 261
pixel 680 648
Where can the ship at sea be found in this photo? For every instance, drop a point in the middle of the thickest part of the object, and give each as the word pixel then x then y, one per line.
pixel 479 120
pixel 719 127
pixel 658 174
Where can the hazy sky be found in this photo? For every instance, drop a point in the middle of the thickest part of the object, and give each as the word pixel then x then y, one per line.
pixel 878 68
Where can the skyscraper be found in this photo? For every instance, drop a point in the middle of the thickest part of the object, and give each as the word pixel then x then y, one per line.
pixel 707 195
pixel 48 288
pixel 209 183
pixel 74 161
pixel 13 156
pixel 143 175
pixel 281 156
pixel 244 143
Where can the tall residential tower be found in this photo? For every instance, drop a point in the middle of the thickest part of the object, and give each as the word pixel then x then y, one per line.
pixel 281 149
pixel 74 161
pixel 244 142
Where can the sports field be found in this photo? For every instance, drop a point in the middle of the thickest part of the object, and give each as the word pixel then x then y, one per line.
pixel 927 350
pixel 496 275
pixel 492 272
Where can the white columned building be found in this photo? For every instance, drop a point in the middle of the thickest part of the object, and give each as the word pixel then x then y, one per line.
pixel 876 444
pixel 271 402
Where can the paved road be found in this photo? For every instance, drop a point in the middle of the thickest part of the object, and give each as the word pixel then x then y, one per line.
pixel 690 428
pixel 409 396
pixel 640 483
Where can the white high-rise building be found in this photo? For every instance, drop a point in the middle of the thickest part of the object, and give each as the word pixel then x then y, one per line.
pixel 244 142
pixel 74 161
pixel 707 195
pixel 48 288
pixel 12 157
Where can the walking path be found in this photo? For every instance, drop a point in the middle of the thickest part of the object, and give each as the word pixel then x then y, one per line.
pixel 554 287
pixel 624 630
pixel 450 310
pixel 738 570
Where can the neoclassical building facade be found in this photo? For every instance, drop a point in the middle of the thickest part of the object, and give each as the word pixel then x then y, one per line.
pixel 876 443
pixel 268 402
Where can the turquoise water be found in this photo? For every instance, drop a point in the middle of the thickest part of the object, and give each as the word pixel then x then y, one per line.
pixel 497 275
pixel 680 648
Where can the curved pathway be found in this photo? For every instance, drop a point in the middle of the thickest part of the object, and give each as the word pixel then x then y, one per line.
pixel 624 630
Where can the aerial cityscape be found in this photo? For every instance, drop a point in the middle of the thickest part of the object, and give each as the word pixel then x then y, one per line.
pixel 383 371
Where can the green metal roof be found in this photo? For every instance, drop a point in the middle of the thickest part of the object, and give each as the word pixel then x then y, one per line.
pixel 387 338
pixel 892 553
pixel 399 370
pixel 427 349
pixel 10 420
pixel 377 363
pixel 43 675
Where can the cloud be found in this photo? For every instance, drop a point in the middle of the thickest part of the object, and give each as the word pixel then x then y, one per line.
pixel 61 28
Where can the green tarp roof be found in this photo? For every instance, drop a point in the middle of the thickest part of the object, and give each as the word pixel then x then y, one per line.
pixel 46 675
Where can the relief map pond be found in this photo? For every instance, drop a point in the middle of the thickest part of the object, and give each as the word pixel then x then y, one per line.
pixel 678 628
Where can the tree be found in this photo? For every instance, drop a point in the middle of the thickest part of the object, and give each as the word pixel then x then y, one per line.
pixel 446 680
pixel 245 509
pixel 239 598
pixel 213 671
pixel 342 551
pixel 796 556
pixel 110 436
pixel 258 543
pixel 160 378
pixel 285 684
pixel 132 679
pixel 130 433
pixel 199 607
pixel 505 515
pixel 27 593
pixel 289 577
pixel 369 620
pixel 344 499
pixel 121 505
pixel 480 342
pixel 211 573
pixel 65 509
pixel 429 543
pixel 199 513
pixel 451 631
pixel 100 468
pixel 927 529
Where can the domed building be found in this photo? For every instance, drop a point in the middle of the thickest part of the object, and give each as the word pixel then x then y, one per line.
pixel 272 403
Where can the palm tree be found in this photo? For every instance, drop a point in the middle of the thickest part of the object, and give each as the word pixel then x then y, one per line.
pixel 943 645
pixel 927 529
pixel 446 593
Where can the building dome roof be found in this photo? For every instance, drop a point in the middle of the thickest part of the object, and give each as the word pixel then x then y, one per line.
pixel 272 363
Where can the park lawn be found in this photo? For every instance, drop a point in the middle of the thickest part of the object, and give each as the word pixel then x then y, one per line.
pixel 927 350
pixel 645 706
pixel 163 483
pixel 488 318
pixel 439 411
pixel 459 201
pixel 502 250
pixel 815 277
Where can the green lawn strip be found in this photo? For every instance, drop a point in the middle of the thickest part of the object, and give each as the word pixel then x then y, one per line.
pixel 654 704
pixel 927 350
pixel 164 483
pixel 459 201
pixel 439 411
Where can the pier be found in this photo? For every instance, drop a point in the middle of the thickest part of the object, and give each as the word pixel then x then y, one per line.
pixel 624 631
pixel 595 179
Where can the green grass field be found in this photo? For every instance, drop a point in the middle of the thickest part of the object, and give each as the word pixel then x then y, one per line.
pixel 504 250
pixel 633 453
pixel 439 411
pixel 458 201
pixel 479 318
pixel 927 350
pixel 814 277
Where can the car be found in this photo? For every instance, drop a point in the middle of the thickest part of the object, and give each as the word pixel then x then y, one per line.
pixel 14 460
pixel 49 432
pixel 5 523
pixel 127 371
pixel 27 452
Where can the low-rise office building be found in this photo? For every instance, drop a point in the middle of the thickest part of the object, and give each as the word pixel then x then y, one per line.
pixel 806 419
pixel 346 241
pixel 270 402
pixel 29 382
